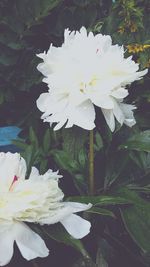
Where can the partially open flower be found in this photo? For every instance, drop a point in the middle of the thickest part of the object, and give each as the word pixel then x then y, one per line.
pixel 86 70
pixel 37 200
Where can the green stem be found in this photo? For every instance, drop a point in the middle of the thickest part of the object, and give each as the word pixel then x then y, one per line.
pixel 91 163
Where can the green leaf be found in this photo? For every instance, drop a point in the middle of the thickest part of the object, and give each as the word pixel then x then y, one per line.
pixel 46 140
pixel 20 144
pixel 142 159
pixel 58 233
pixel 8 57
pixel 100 261
pixel 64 161
pixel 43 166
pixel 101 211
pixel 101 200
pixel 9 38
pixel 73 141
pixel 84 262
pixel 115 165
pixel 31 12
pixel 28 155
pixel 33 137
pixel 82 3
pixel 139 142
pixel 137 219
pixel 98 141
pixel 82 157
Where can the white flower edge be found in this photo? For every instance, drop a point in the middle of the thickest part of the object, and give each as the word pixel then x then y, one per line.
pixel 86 70
pixel 30 244
pixel 82 115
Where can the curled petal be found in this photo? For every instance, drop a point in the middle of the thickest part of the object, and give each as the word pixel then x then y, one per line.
pixel 119 93
pixel 30 244
pixel 42 101
pixel 77 207
pixel 76 226
pixel 127 110
pixel 109 117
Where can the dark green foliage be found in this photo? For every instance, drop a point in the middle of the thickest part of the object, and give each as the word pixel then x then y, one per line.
pixel 120 213
pixel 137 220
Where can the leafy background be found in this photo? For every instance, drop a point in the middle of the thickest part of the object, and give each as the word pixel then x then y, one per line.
pixel 120 217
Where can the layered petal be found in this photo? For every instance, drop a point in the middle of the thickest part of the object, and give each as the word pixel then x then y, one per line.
pixel 123 114
pixel 64 211
pixel 82 115
pixel 77 77
pixel 30 244
pixel 6 245
pixel 34 175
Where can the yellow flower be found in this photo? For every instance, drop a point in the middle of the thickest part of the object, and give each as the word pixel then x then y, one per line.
pixel 136 48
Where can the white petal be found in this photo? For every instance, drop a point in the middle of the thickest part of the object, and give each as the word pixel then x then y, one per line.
pixel 109 117
pixel 64 211
pixel 30 244
pixel 11 165
pixel 60 124
pixel 142 73
pixel 42 101
pixel 6 246
pixel 102 101
pixel 76 97
pixel 77 207
pixel 119 93
pixel 118 113
pixel 137 76
pixel 76 226
pixel 128 114
pixel 47 175
pixel 69 124
pixel 83 115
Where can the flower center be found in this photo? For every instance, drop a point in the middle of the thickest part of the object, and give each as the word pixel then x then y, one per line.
pixel 85 86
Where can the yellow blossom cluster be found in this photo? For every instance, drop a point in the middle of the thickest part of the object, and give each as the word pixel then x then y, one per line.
pixel 128 26
pixel 136 48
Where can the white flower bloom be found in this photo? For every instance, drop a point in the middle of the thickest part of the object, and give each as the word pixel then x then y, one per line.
pixel 37 200
pixel 86 70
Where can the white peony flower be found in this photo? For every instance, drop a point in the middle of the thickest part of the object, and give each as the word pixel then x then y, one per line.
pixel 37 200
pixel 86 70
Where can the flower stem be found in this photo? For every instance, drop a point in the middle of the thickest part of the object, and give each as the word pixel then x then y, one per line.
pixel 91 163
